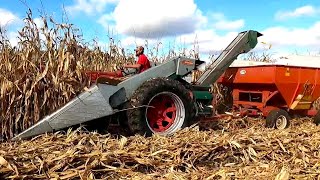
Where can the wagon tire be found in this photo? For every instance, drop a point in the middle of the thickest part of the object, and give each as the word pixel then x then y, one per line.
pixel 278 119
pixel 316 118
pixel 173 108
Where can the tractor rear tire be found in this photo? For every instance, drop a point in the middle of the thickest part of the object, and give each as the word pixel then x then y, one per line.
pixel 278 119
pixel 172 108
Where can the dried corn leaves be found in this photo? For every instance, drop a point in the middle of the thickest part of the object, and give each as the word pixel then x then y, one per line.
pixel 45 71
pixel 243 153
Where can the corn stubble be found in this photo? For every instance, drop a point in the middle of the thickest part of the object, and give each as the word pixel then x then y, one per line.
pixel 45 71
pixel 224 152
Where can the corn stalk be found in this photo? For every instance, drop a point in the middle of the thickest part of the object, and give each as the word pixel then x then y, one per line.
pixel 45 71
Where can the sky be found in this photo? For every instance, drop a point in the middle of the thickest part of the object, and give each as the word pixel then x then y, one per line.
pixel 288 26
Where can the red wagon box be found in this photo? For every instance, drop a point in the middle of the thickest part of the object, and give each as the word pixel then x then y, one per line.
pixel 273 91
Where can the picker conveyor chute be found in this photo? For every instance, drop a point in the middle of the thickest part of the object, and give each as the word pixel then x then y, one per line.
pixel 243 43
pixel 158 99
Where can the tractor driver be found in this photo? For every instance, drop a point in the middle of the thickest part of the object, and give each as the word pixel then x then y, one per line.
pixel 142 64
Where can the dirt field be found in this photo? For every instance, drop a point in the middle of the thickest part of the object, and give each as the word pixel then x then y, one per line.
pixel 229 149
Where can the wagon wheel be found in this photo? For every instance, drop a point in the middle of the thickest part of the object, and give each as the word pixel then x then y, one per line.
pixel 278 118
pixel 316 118
pixel 170 108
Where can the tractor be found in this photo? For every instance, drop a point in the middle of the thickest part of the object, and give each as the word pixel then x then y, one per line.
pixel 156 101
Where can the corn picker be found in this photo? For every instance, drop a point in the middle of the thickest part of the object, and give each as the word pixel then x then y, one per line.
pixel 158 100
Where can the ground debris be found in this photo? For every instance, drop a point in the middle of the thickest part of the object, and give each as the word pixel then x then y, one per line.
pixel 244 153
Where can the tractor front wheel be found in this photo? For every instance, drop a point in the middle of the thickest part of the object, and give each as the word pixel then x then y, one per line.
pixel 169 108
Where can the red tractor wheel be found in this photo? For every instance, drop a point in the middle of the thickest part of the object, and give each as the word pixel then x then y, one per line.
pixel 166 113
pixel 169 108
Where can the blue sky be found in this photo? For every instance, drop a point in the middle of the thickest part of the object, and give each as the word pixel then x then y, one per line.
pixel 288 25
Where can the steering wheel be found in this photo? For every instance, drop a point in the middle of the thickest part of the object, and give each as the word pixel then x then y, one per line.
pixel 116 67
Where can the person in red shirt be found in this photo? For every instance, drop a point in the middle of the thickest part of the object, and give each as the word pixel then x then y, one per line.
pixel 142 64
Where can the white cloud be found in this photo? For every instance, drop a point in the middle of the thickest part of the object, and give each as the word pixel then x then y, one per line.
pixel 183 25
pixel 89 6
pixel 222 23
pixel 208 40
pixel 13 38
pixel 229 25
pixel 107 21
pixel 187 25
pixel 12 34
pixel 158 20
pixel 281 39
pixel 10 19
pixel 298 12
pixel 7 17
pixel 150 19
pixel 299 37
pixel 132 41
pixel 38 22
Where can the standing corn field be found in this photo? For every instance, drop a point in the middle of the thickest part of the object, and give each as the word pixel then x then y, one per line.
pixel 40 75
